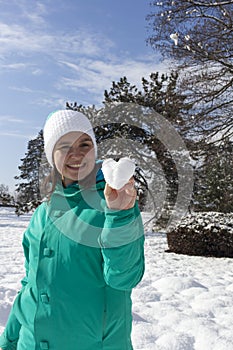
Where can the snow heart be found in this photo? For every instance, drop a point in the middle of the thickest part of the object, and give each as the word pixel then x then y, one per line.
pixel 117 174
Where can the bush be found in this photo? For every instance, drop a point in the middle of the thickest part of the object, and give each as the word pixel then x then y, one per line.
pixel 203 234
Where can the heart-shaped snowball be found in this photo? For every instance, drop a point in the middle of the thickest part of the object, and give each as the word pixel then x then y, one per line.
pixel 117 174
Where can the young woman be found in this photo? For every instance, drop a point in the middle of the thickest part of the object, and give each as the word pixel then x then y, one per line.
pixel 83 252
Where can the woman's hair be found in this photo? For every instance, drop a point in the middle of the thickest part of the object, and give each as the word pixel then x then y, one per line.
pixel 49 183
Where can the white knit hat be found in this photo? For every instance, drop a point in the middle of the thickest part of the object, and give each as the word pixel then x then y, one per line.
pixel 62 122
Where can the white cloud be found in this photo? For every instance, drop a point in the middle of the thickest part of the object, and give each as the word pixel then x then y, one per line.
pixel 10 119
pixel 24 89
pixel 36 14
pixel 87 60
pixel 32 12
pixel 16 135
pixel 14 66
pixel 52 102
pixel 17 39
pixel 95 76
pixel 16 127
pixel 37 71
pixel 83 43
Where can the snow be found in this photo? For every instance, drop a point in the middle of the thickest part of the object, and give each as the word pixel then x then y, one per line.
pixel 208 220
pixel 174 37
pixel 118 174
pixel 182 303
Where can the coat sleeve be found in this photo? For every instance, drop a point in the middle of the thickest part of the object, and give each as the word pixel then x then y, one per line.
pixel 122 242
pixel 9 338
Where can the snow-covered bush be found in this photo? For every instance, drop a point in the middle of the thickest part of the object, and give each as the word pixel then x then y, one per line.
pixel 204 234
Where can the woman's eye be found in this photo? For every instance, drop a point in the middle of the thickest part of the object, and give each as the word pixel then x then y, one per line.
pixel 85 145
pixel 67 148
pixel 64 148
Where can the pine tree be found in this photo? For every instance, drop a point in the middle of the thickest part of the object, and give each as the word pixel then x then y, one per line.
pixel 159 93
pixel 6 199
pixel 126 126
pixel 28 189
pixel 214 190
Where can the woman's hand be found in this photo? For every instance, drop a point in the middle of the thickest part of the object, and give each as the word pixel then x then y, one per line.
pixel 121 199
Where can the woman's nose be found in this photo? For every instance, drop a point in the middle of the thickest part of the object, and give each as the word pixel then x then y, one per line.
pixel 77 151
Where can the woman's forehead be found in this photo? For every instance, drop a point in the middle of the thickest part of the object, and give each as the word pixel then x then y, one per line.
pixel 74 136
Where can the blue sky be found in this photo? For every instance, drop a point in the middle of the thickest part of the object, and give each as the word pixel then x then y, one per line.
pixel 64 50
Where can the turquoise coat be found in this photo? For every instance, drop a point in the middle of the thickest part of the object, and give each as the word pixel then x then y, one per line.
pixel 82 261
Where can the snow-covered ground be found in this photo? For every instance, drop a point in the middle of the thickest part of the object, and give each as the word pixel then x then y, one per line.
pixel 182 303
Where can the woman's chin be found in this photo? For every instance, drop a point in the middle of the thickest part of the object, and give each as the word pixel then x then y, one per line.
pixel 76 174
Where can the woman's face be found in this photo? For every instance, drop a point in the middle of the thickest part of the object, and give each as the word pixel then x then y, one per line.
pixel 74 156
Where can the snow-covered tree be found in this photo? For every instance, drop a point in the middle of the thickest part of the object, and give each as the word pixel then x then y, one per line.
pixel 129 125
pixel 6 199
pixel 28 189
pixel 159 93
pixel 197 35
pixel 214 186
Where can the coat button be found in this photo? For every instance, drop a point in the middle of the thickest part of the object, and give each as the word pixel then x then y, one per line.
pixel 58 213
pixel 44 298
pixel 44 345
pixel 47 252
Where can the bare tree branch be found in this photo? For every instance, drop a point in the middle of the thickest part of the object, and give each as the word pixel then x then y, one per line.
pixel 203 54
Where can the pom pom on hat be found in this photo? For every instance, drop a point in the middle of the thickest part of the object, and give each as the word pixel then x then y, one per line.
pixel 62 122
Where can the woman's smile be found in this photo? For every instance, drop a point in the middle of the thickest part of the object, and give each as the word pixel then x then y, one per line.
pixel 74 166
